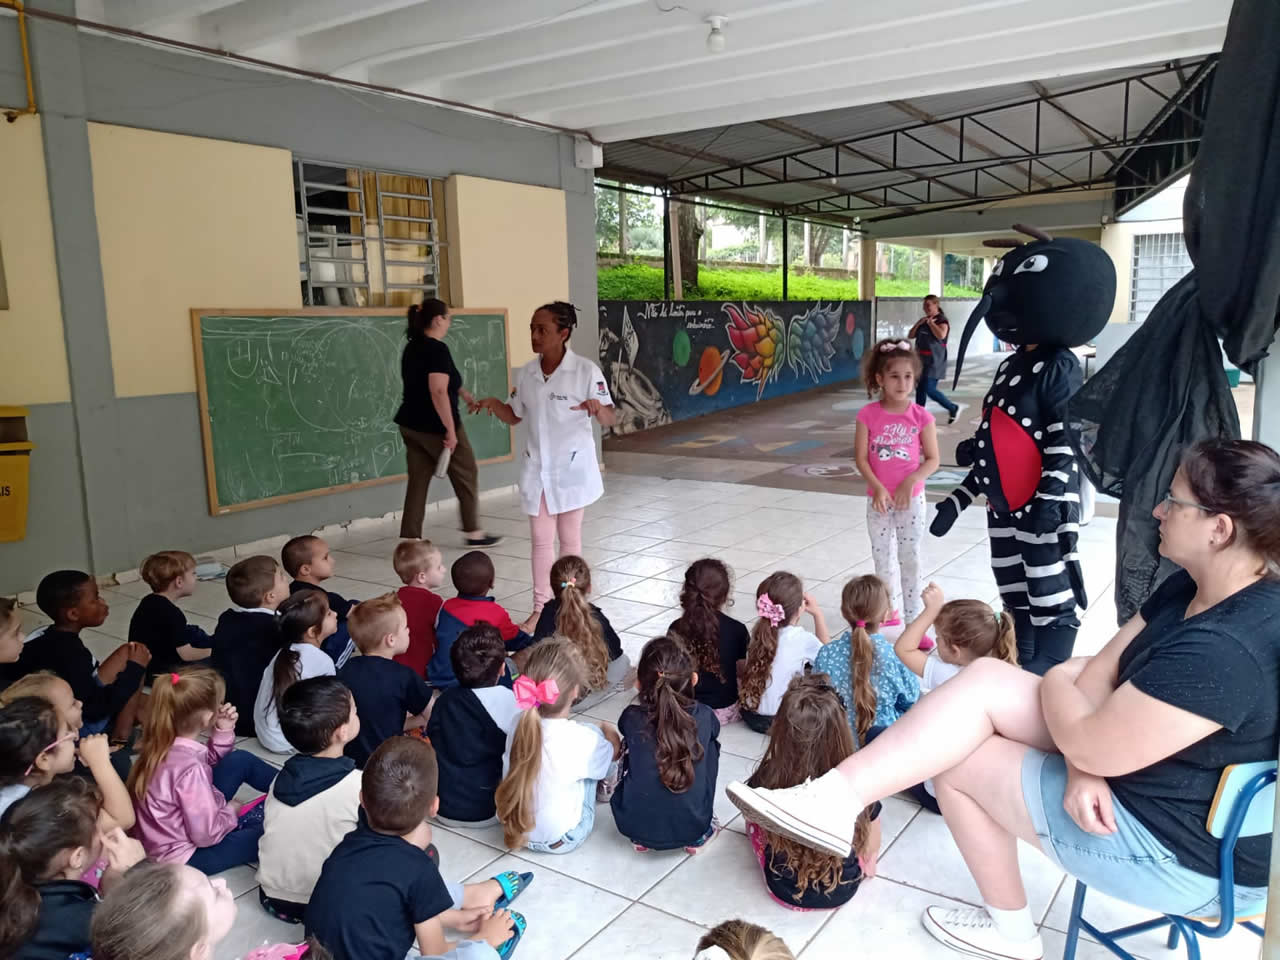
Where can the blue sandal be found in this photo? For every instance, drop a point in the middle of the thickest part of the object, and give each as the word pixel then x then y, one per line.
pixel 509 946
pixel 513 884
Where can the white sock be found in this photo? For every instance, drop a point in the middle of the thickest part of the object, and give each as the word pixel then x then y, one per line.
pixel 838 780
pixel 1013 924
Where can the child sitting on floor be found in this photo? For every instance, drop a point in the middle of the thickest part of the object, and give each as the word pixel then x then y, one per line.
pixel 420 567
pixel 380 894
pixel 315 798
pixel 716 642
pixel 473 577
pixel 390 698
pixel 740 940
pixel 246 637
pixel 555 765
pixel 308 560
pixel 667 789
pixel 780 649
pixel 111 691
pixel 159 623
pixel 183 788
pixel 305 621
pixel 469 726
pixel 810 735
pixel 570 614
pixel 36 745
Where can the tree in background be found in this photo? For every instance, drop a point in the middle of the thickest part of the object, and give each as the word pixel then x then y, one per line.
pixel 642 220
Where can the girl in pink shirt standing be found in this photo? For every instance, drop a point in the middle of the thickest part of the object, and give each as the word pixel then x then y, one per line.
pixel 896 447
pixel 181 787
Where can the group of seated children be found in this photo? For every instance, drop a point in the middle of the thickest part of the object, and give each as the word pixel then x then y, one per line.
pixel 342 835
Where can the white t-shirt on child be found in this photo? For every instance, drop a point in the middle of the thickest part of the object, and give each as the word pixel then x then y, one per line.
pixel 312 662
pixel 572 752
pixel 937 672
pixel 796 647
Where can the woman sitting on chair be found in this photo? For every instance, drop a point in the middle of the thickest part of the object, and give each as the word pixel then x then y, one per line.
pixel 1109 764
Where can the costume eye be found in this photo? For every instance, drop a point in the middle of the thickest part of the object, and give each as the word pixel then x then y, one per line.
pixel 1033 264
pixel 998 268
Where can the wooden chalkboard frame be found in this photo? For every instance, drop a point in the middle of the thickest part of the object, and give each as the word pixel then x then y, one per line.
pixel 217 509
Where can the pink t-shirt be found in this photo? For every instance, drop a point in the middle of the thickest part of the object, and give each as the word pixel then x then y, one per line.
pixel 893 443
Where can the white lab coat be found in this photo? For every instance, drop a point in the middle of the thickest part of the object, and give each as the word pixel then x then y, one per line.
pixel 559 458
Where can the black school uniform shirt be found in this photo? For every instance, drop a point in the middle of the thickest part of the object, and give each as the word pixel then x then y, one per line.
pixel 547 627
pixel 243 645
pixel 160 626
pixel 62 925
pixel 780 878
pixel 645 811
pixel 469 751
pixel 65 654
pixel 733 641
pixel 1224 665
pixel 384 691
pixel 372 889
pixel 422 357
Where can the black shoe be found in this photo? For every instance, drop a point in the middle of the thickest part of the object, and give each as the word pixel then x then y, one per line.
pixel 952 419
pixel 486 541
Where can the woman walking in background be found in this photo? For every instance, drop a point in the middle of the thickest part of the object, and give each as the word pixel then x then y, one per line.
pixel 429 422
pixel 930 335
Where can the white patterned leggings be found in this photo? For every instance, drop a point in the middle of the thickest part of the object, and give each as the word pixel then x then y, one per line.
pixel 897 547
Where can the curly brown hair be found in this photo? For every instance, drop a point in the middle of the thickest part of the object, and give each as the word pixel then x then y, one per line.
pixel 875 360
pixel 665 676
pixel 786 590
pixel 864 601
pixel 809 736
pixel 571 585
pixel 705 591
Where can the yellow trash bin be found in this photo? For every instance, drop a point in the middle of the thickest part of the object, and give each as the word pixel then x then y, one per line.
pixel 15 473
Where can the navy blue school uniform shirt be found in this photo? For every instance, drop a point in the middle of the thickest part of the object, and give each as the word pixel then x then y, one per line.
pixel 780 878
pixel 340 646
pixel 244 642
pixel 1224 665
pixel 372 890
pixel 384 691
pixel 64 653
pixel 645 811
pixel 469 747
pixel 160 626
pixel 720 692
pixel 62 924
pixel 547 627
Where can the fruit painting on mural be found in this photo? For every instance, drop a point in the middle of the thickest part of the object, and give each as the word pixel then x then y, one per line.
pixel 811 340
pixel 759 342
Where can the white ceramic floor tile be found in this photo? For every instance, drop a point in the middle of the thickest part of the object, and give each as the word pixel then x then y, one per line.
pixel 253 928
pixel 355 567
pixel 639 565
pixel 608 860
pixel 1055 942
pixel 241 880
pixel 895 814
pixel 736 738
pixel 382 549
pixel 661 593
pixel 643 933
pixel 209 599
pixel 460 856
pixel 121 612
pixel 883 920
pixel 732 767
pixel 625 614
pixel 101 645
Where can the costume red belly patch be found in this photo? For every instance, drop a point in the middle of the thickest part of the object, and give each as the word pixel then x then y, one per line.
pixel 1017 458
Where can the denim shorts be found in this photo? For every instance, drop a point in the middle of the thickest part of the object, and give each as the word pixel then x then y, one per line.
pixel 1131 864
pixel 577 835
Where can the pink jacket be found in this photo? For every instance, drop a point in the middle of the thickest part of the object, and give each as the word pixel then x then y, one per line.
pixel 182 809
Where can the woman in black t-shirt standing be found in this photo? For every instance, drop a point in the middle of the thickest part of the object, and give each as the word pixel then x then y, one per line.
pixel 429 422
pixel 1109 764
pixel 930 335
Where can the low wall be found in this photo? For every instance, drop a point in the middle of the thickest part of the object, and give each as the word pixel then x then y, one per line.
pixel 895 316
pixel 672 360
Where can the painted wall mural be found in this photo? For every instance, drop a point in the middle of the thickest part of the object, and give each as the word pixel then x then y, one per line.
pixel 671 360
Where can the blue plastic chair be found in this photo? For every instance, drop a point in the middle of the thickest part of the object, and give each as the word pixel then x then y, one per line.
pixel 1243 807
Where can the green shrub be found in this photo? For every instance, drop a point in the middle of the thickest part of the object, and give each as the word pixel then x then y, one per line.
pixel 637 281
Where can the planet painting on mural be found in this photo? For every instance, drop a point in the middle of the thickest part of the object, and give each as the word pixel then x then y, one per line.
pixel 681 348
pixel 858 343
pixel 710 372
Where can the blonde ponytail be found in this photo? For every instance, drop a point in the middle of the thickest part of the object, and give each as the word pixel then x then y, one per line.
pixel 177 699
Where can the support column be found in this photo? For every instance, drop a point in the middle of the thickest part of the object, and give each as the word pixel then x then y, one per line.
pixel 808 243
pixel 937 257
pixel 677 268
pixel 762 255
pixel 1266 400
pixel 622 222
pixel 844 248
pixel 666 246
pixel 785 256
pixel 866 267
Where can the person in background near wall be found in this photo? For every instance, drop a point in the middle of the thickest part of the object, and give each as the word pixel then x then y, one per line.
pixel 930 334
pixel 559 393
pixel 429 422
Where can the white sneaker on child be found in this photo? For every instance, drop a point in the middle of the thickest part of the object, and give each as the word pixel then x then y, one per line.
pixel 971 930
pixel 818 813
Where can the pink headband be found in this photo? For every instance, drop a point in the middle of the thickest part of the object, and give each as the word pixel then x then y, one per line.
pixel 529 694
pixel 771 611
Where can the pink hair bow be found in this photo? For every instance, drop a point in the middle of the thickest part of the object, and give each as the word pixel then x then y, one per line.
pixel 892 620
pixel 278 951
pixel 771 611
pixel 529 694
pixel 890 347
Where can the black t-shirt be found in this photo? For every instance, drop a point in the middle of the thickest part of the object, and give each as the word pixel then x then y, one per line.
pixel 712 690
pixel 64 653
pixel 780 878
pixel 422 357
pixel 547 627
pixel 62 925
pixel 933 352
pixel 372 889
pixel 645 811
pixel 243 644
pixel 384 691
pixel 1224 665
pixel 160 626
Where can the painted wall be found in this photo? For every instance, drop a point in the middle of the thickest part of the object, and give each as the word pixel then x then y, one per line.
pixel 1117 240
pixel 134 423
pixel 186 222
pixel 512 243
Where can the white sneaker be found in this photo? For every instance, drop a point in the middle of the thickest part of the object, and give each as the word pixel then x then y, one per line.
pixel 971 930
pixel 818 813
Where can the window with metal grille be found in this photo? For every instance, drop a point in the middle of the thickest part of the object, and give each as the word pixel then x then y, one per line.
pixel 368 237
pixel 1159 261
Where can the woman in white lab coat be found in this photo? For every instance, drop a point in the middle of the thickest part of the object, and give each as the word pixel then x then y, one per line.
pixel 557 394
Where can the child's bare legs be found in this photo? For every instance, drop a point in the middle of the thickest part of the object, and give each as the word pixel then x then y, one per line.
pixel 108 670
pixel 483 894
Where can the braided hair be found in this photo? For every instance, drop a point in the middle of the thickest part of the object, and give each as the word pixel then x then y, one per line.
pixel 564 313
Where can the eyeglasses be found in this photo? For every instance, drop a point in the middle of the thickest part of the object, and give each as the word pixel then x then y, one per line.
pixel 53 746
pixel 1169 498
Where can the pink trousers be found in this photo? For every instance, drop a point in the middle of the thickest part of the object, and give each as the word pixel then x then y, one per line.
pixel 544 528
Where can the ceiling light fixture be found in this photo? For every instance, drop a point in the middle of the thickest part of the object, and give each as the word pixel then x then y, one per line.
pixel 715 39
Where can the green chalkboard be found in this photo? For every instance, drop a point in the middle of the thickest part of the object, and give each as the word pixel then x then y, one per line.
pixel 300 403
